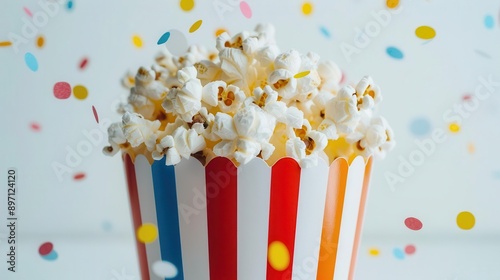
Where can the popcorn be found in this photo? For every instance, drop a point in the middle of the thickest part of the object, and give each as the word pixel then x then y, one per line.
pixel 246 101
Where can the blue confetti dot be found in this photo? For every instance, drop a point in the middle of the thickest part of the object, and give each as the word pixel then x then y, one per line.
pixel 107 226
pixel 420 126
pixel 325 32
pixel 489 22
pixel 394 52
pixel 164 38
pixel 31 61
pixel 496 174
pixel 69 5
pixel 398 253
pixel 52 256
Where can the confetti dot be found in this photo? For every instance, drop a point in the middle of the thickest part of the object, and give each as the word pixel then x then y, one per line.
pixel 164 38
pixel 147 233
pixel 398 253
pixel 83 63
pixel 489 22
pixel 278 256
pixel 394 52
pixel 45 248
pixel 420 126
pixel 496 174
pixel 471 148
pixel 413 223
pixel 107 226
pixel 467 97
pixel 52 256
pixel 374 252
pixel 79 176
pixel 482 53
pixel 137 41
pixel 392 3
pixel 35 126
pixel 245 9
pixel 307 8
pixel 62 90
pixel 69 5
pixel 186 5
pixel 164 269
pixel 425 32
pixel 31 61
pixel 94 111
pixel 28 12
pixel 80 92
pixel 325 32
pixel 301 74
pixel 219 31
pixel 5 44
pixel 465 220
pixel 454 128
pixel 410 249
pixel 177 43
pixel 195 26
pixel 40 41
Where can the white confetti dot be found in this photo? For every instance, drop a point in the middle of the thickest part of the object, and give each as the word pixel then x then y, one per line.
pixel 164 269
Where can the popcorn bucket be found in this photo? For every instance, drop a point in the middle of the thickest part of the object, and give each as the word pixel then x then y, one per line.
pixel 252 222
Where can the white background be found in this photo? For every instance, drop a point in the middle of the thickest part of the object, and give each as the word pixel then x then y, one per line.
pixel 88 221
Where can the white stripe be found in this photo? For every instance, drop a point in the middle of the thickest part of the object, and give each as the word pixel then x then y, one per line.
pixel 254 191
pixel 191 199
pixel 148 208
pixel 311 207
pixel 349 221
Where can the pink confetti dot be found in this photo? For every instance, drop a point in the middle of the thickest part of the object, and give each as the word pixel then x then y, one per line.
pixel 245 9
pixel 62 90
pixel 410 249
pixel 28 12
pixel 45 248
pixel 95 114
pixel 413 223
pixel 35 126
pixel 83 63
pixel 79 176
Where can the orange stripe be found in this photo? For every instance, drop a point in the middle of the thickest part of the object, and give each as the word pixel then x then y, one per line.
pixel 5 44
pixel 359 226
pixel 334 204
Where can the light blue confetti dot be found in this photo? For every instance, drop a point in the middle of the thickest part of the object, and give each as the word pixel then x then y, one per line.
pixel 325 32
pixel 69 5
pixel 164 38
pixel 420 126
pixel 394 52
pixel 496 174
pixel 52 256
pixel 398 253
pixel 107 226
pixel 31 61
pixel 489 22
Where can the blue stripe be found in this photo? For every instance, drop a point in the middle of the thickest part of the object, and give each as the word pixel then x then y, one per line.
pixel 167 215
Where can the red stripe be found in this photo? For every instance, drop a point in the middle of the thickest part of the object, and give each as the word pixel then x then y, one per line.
pixel 136 214
pixel 221 180
pixel 285 181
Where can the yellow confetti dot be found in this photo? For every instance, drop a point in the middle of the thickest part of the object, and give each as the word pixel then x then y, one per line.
pixel 455 128
pixel 425 32
pixel 137 41
pixel 278 256
pixel 80 92
pixel 465 220
pixel 392 3
pixel 374 252
pixel 307 8
pixel 301 74
pixel 40 41
pixel 195 26
pixel 5 44
pixel 147 233
pixel 219 31
pixel 186 5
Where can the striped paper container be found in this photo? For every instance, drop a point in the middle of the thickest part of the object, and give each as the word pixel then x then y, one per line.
pixel 252 222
